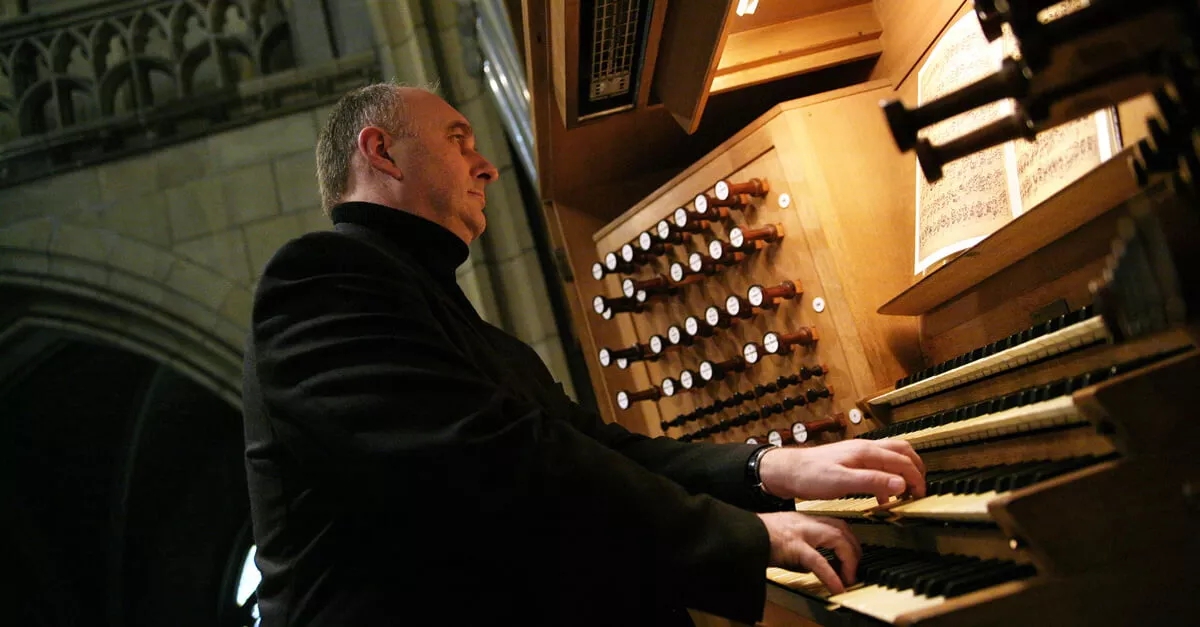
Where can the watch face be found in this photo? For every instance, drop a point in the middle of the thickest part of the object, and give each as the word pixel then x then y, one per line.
pixel 750 353
pixel 695 262
pixel 722 190
pixel 645 242
pixel 610 261
pixel 685 380
pixel 775 439
pixel 736 237
pixel 628 288
pixel 716 249
pixel 664 229
pixel 597 271
pixel 623 400
pixel 771 342
pixel 706 371
pixel 656 344
pixel 598 304
pixel 733 305
pixel 800 432
pixel 681 217
pixel 712 315
pixel 668 387
pixel 627 253
pixel 676 272
pixel 691 325
pixel 605 357
pixel 673 334
pixel 701 204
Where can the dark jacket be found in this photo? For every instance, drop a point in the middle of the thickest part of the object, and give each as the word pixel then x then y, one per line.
pixel 409 462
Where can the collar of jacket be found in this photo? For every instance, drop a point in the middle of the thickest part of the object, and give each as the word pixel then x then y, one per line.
pixel 439 250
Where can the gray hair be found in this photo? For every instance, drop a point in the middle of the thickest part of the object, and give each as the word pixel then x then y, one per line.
pixel 380 104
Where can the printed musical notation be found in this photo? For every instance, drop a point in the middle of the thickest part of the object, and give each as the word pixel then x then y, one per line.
pixel 984 191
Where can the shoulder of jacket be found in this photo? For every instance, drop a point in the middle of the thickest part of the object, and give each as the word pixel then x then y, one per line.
pixel 331 251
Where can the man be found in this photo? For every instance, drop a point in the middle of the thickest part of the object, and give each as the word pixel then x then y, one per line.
pixel 410 463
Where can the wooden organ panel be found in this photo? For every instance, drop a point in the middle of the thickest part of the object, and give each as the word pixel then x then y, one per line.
pixel 821 249
pixel 1052 407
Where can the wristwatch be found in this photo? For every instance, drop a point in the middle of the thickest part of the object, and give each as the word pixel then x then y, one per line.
pixel 766 500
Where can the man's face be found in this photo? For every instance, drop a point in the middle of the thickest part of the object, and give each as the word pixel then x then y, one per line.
pixel 441 168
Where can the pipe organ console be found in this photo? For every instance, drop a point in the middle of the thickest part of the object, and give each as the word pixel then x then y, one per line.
pixel 1046 375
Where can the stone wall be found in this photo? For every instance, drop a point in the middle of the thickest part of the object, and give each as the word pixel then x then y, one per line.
pixel 172 242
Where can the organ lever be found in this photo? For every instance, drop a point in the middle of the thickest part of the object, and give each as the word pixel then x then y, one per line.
pixel 1012 81
pixel 700 263
pixel 616 305
pixel 802 430
pixel 689 380
pixel 698 327
pixel 708 205
pixel 631 255
pixel 754 187
pixel 1016 125
pixel 765 297
pixel 777 344
pixel 740 236
pixel 652 286
pixel 636 352
pixel 715 371
pixel 724 255
pixel 626 399
pixel 668 233
pixel 739 307
pixel 613 263
pixel 669 387
pixel 688 223
pixel 751 353
pixel 683 275
pixel 717 317
pixel 676 336
pixel 659 345
pixel 648 245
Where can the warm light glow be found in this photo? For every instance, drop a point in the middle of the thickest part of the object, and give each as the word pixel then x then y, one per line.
pixel 746 7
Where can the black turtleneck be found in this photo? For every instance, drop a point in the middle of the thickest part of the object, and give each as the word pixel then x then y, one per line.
pixel 433 246
pixel 394 438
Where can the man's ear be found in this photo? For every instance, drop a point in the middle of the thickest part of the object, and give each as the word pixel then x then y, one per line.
pixel 374 144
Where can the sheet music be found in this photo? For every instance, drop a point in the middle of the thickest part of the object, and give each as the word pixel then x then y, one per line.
pixel 981 193
pixel 1061 155
pixel 972 199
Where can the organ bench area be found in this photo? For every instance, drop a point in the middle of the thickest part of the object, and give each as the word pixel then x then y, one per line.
pixel 740 305
pixel 765 292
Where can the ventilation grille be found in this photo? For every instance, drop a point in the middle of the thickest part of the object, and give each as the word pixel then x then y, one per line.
pixel 612 37
pixel 614 48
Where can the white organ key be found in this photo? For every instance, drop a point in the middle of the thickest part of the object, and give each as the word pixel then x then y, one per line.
pixel 1075 336
pixel 885 604
pixel 956 507
pixel 1054 412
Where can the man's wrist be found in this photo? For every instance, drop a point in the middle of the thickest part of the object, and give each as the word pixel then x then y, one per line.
pixel 769 501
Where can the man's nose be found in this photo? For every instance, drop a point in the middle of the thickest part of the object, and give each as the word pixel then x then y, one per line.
pixel 485 170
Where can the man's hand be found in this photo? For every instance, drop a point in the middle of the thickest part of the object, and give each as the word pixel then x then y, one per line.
pixel 880 467
pixel 795 539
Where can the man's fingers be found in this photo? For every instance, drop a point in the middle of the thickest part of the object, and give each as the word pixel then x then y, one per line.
pixel 812 560
pixel 897 464
pixel 904 448
pixel 843 543
pixel 864 481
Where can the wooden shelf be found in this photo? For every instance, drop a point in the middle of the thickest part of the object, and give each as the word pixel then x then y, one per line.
pixel 1095 194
